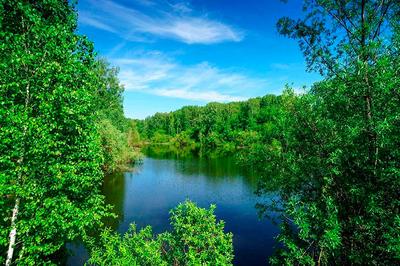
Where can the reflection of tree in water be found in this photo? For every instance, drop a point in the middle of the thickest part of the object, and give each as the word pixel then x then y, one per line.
pixel 169 152
pixel 220 169
pixel 269 203
pixel 215 169
pixel 114 192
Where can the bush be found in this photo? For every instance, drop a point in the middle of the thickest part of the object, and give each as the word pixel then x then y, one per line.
pixel 116 152
pixel 160 137
pixel 183 140
pixel 196 238
pixel 134 248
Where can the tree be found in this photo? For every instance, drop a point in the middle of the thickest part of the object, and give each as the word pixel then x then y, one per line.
pixel 49 147
pixel 116 132
pixel 109 99
pixel 338 165
pixel 334 35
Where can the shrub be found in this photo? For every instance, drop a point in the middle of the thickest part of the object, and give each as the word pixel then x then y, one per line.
pixel 196 238
pixel 116 153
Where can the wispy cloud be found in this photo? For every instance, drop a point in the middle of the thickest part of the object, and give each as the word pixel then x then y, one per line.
pixel 207 96
pixel 159 75
pixel 182 7
pixel 87 19
pixel 178 22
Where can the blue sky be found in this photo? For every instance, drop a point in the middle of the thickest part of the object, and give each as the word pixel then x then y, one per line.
pixel 177 53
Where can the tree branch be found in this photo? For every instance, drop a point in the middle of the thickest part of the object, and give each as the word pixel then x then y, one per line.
pixel 383 14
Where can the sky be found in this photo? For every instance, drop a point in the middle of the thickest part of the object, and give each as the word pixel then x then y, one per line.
pixel 177 53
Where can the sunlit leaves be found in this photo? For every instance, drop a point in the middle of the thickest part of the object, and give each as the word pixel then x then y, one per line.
pixel 49 150
pixel 196 238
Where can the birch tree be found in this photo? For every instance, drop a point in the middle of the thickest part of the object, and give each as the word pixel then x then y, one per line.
pixel 49 149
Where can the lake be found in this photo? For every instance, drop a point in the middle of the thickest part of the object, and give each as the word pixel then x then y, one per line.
pixel 145 195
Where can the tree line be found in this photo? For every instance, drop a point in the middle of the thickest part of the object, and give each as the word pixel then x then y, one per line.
pixel 216 128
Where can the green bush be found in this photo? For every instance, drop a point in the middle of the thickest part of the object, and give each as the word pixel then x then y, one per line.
pixel 116 152
pixel 196 238
pixel 160 137
pixel 183 140
pixel 134 248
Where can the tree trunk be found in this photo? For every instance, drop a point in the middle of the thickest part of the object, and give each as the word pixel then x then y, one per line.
pixel 13 233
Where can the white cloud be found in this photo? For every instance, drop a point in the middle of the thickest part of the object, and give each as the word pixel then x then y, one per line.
pixel 145 2
pixel 85 18
pixel 182 7
pixel 207 96
pixel 157 74
pixel 299 90
pixel 166 21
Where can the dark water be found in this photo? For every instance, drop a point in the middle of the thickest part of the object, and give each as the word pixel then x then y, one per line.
pixel 146 194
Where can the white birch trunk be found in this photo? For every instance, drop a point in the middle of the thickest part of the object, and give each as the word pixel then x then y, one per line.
pixel 13 233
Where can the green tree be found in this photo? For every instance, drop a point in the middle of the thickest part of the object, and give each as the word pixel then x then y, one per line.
pixel 217 128
pixel 116 150
pixel 109 99
pixel 49 147
pixel 196 237
pixel 337 164
pixel 117 133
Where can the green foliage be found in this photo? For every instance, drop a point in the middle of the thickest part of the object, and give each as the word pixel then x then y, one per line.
pixel 160 137
pixel 108 97
pixel 196 238
pixel 134 248
pixel 338 163
pixel 337 192
pixel 117 152
pixel 49 150
pixel 183 140
pixel 133 134
pixel 334 35
pixel 118 134
pixel 216 128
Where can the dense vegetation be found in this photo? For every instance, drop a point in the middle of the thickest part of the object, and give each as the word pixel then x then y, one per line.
pixel 338 157
pixel 50 153
pixel 118 134
pixel 196 238
pixel 216 128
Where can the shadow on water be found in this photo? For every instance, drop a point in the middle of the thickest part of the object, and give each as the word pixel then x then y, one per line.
pixel 166 177
pixel 114 192
pixel 188 163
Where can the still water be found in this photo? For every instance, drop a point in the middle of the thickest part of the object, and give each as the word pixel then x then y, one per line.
pixel 147 193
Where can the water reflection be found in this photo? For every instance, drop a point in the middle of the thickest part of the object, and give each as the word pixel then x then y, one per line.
pixel 166 177
pixel 114 192
pixel 188 163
